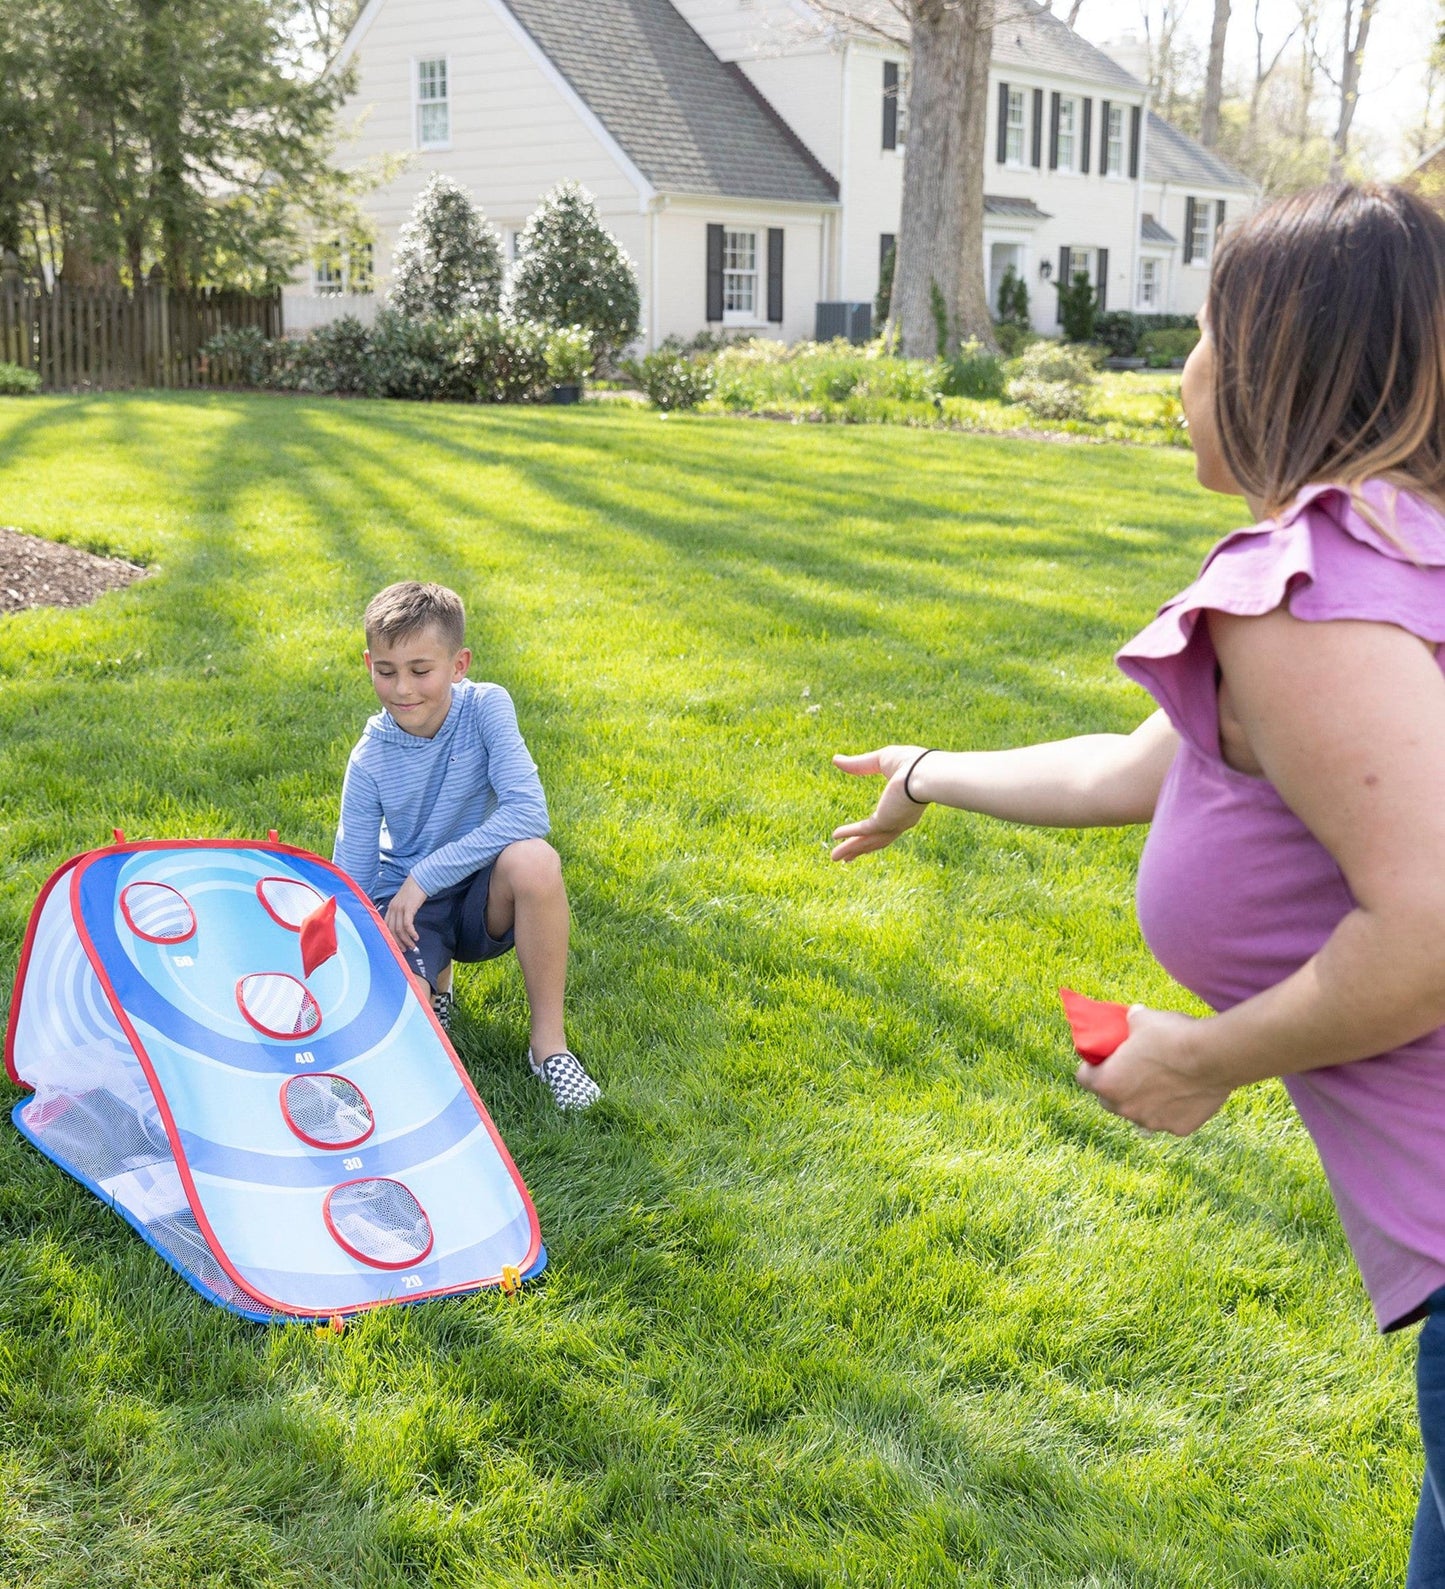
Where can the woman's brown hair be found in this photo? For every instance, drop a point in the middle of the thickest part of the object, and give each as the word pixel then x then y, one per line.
pixel 1327 311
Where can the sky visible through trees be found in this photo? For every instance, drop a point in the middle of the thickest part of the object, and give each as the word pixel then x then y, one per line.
pixel 1391 117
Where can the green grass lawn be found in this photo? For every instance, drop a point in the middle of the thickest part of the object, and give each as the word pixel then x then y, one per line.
pixel 849 1285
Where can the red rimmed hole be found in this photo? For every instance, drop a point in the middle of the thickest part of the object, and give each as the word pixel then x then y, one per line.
pixel 288 901
pixel 378 1222
pixel 157 912
pixel 326 1111
pixel 278 1005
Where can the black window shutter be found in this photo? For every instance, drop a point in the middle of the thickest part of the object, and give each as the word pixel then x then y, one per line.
pixel 1189 207
pixel 1053 132
pixel 1087 136
pixel 1002 122
pixel 1104 137
pixel 1038 149
pixel 890 104
pixel 886 242
pixel 1064 281
pixel 714 273
pixel 1218 220
pixel 1136 116
pixel 775 275
pixel 1101 286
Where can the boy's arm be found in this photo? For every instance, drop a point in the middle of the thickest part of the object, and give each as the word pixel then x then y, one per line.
pixel 357 850
pixel 521 811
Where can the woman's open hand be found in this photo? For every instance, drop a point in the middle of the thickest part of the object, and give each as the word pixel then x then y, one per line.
pixel 1151 1078
pixel 895 812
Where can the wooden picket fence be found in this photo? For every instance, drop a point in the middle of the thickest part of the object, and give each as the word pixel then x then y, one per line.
pixel 99 339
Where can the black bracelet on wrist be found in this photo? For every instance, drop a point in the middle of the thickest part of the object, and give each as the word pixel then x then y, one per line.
pixel 908 778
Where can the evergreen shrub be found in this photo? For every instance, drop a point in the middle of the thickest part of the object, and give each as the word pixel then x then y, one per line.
pixel 571 271
pixel 1078 307
pixel 448 258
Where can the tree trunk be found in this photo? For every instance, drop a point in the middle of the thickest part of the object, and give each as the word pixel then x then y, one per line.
pixel 1350 82
pixel 939 291
pixel 1214 77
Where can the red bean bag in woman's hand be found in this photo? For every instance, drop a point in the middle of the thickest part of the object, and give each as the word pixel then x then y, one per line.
pixel 1098 1026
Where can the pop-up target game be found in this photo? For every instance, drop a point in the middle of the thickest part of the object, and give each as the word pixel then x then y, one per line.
pixel 222 1042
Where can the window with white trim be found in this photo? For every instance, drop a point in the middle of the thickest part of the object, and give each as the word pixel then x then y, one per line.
pixel 1068 115
pixel 433 107
pixel 1149 283
pixel 1114 141
pixel 1199 234
pixel 344 268
pixel 330 278
pixel 1013 148
pixel 1081 259
pixel 740 277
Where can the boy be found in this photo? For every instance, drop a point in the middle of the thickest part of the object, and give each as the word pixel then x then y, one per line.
pixel 442 823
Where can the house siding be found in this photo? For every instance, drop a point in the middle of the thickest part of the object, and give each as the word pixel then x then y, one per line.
pixel 514 135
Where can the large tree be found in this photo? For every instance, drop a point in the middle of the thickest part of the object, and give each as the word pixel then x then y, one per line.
pixel 181 133
pixel 1214 76
pixel 1355 35
pixel 939 296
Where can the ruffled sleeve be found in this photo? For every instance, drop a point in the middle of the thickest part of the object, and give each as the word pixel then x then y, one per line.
pixel 1324 558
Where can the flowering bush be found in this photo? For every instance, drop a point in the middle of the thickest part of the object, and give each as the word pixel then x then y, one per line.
pixel 1052 380
pixel 673 379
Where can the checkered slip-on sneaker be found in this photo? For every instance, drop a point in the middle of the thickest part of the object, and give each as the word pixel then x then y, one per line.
pixel 441 1007
pixel 571 1086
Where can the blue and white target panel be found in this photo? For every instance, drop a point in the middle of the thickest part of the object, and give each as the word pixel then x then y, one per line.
pixel 222 1041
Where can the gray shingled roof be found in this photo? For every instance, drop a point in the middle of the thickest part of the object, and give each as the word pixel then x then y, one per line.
pixel 1025 34
pixel 688 121
pixel 1173 156
pixel 1150 231
pixel 1015 209
pixel 1028 36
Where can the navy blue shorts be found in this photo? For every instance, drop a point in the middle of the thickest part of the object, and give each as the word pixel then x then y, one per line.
pixel 452 925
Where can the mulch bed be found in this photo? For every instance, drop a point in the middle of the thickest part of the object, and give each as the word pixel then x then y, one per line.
pixel 38 573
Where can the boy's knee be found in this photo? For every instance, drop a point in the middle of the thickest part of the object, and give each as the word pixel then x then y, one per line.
pixel 533 866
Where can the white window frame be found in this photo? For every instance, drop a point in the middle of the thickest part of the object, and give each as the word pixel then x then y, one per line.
pixel 344 270
pixel 1202 250
pixel 738 282
pixel 1020 127
pixel 1114 147
pixel 328 270
pixel 1068 105
pixel 905 82
pixel 1086 260
pixel 1149 292
pixel 421 102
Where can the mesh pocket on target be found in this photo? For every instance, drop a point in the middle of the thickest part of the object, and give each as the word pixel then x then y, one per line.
pixel 326 1111
pixel 378 1221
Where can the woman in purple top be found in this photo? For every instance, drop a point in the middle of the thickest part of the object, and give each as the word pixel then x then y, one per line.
pixel 1294 777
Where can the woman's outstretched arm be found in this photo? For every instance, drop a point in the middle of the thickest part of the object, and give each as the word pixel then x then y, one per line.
pixel 1094 781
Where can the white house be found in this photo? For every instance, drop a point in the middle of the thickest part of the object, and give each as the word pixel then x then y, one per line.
pixel 750 156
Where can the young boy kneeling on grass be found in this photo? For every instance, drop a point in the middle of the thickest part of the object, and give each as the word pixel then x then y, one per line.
pixel 442 823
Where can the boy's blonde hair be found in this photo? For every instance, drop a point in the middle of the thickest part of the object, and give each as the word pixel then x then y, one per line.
pixel 402 609
pixel 1327 311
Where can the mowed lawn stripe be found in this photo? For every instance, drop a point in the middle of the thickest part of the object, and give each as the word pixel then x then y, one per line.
pixel 849 1285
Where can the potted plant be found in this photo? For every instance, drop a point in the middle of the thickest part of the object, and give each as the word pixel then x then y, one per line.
pixel 569 360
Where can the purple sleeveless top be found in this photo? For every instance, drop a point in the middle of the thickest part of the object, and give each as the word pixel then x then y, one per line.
pixel 1235 893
